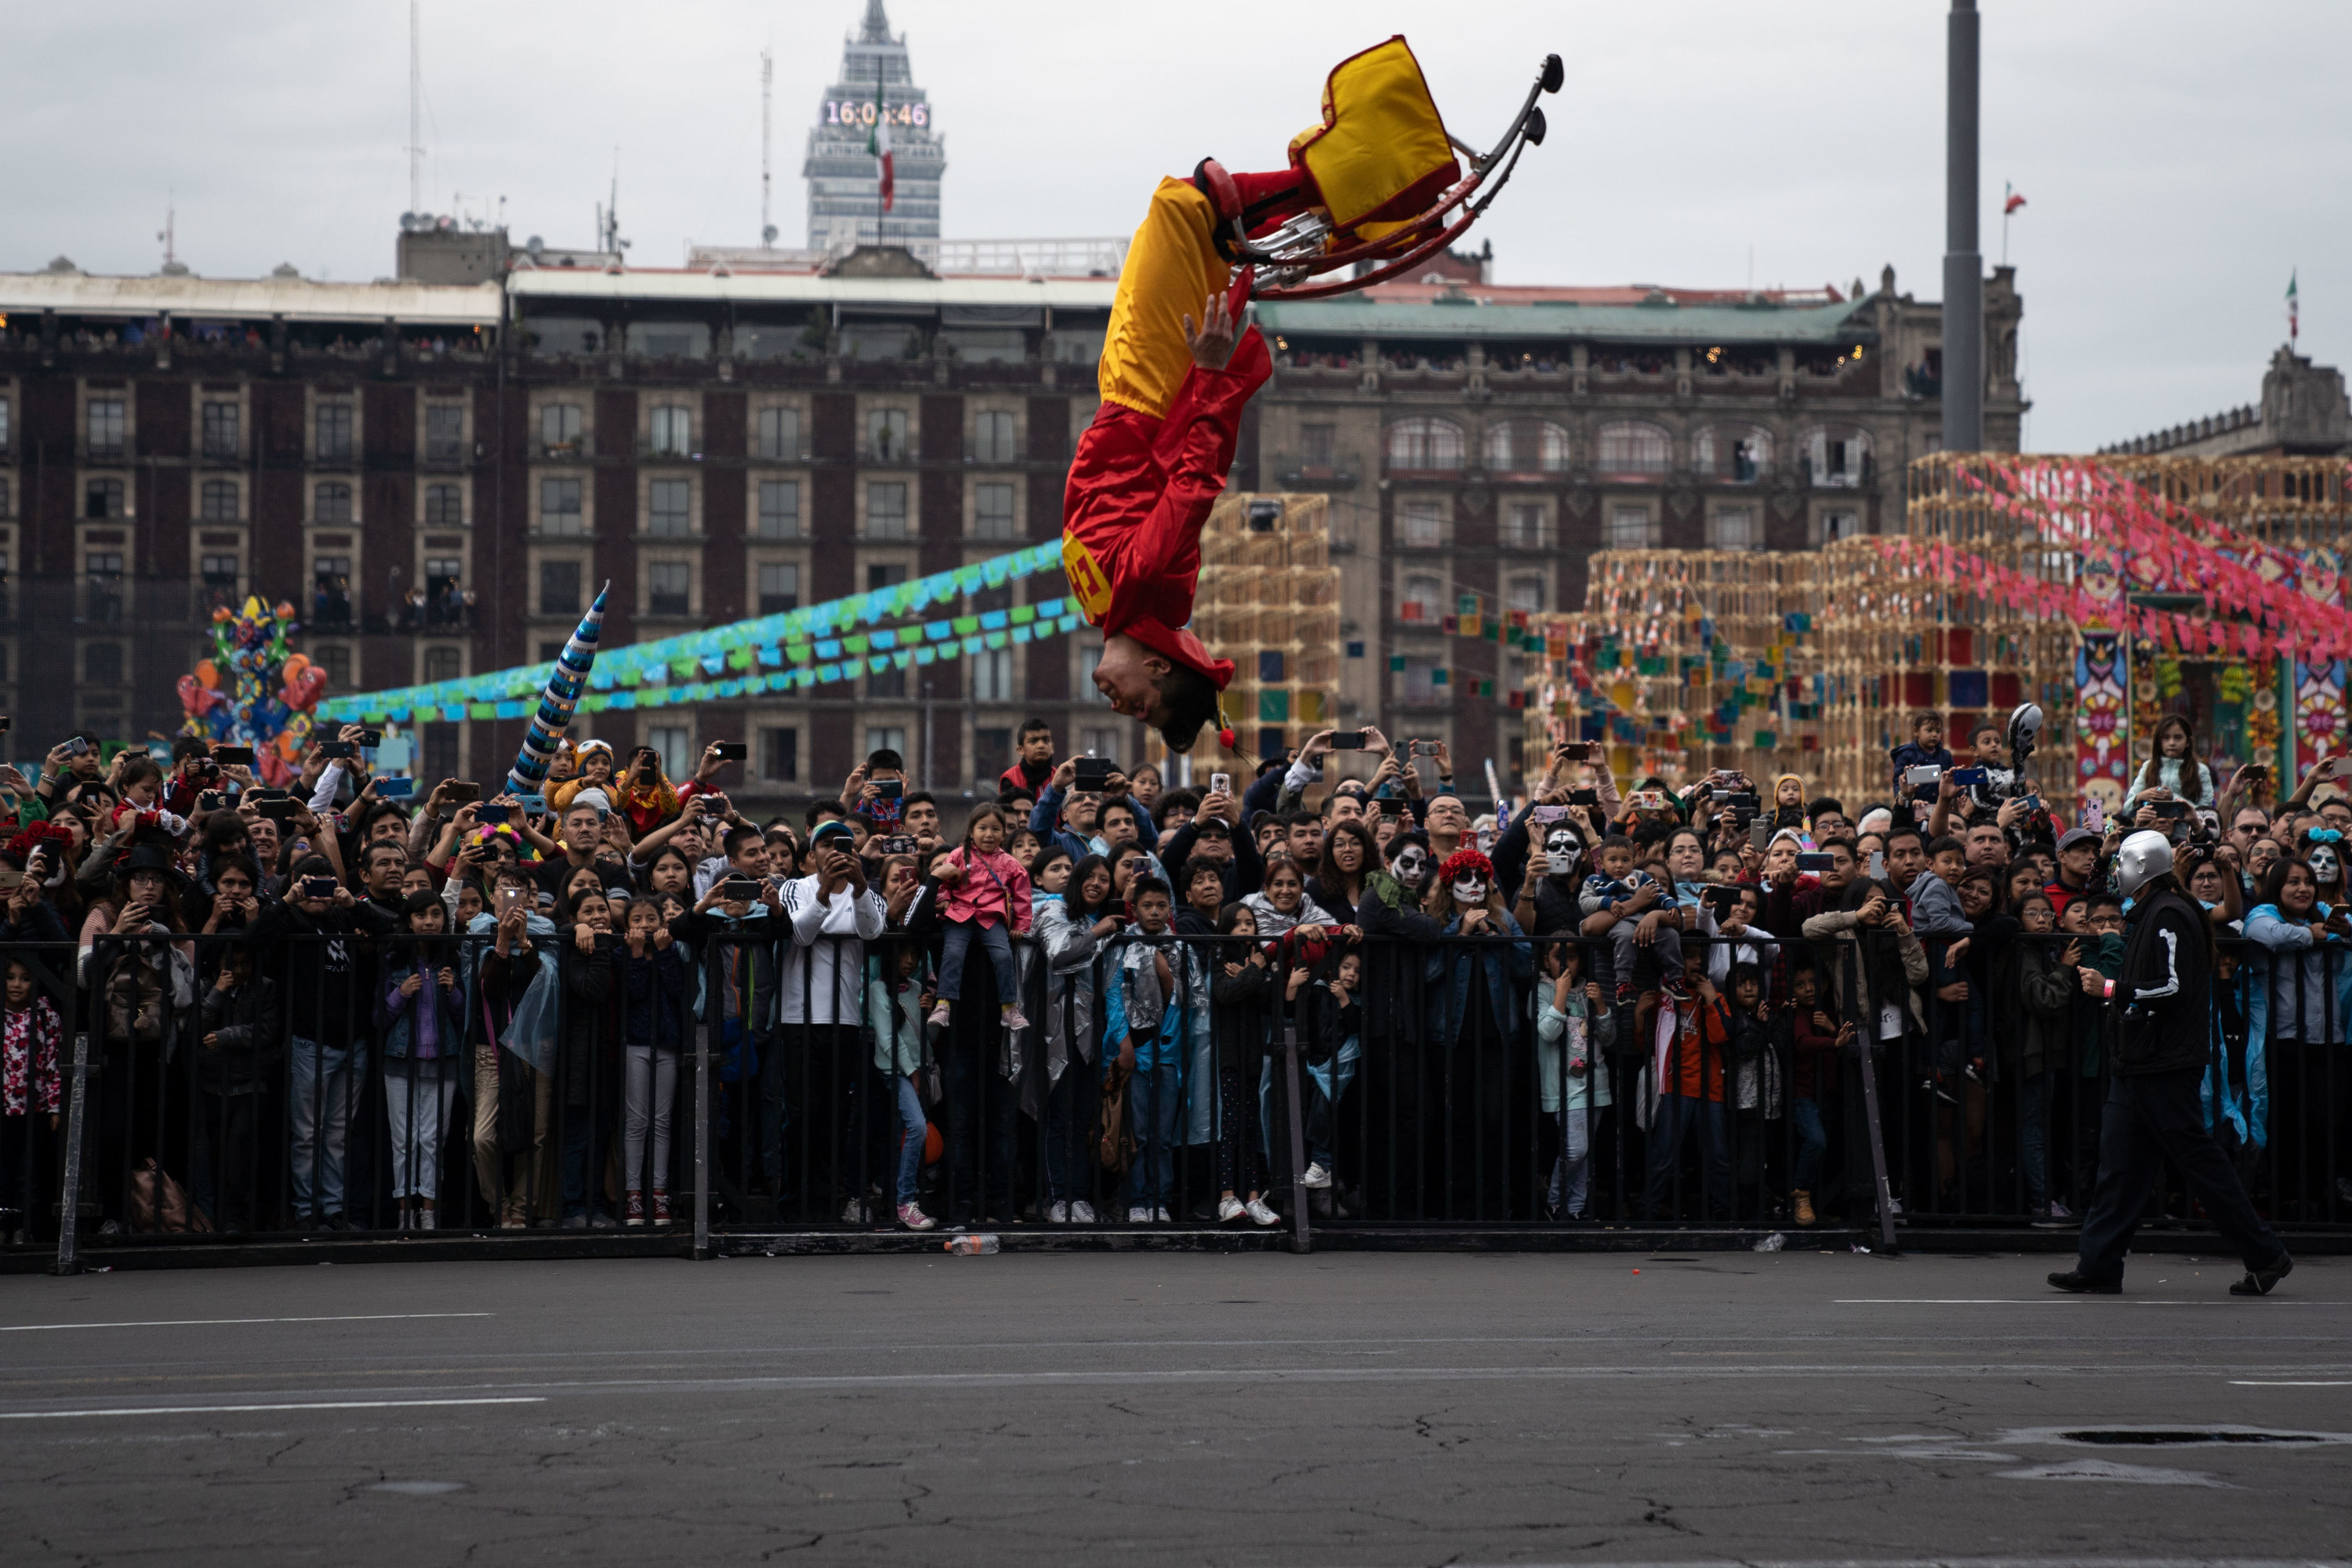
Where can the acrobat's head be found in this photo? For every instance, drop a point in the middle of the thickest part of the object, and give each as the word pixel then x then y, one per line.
pixel 1144 683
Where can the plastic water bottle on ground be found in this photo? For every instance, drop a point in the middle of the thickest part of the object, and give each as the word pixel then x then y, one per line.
pixel 1772 1243
pixel 972 1246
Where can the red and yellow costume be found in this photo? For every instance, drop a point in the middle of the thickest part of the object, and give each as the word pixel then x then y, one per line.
pixel 1154 460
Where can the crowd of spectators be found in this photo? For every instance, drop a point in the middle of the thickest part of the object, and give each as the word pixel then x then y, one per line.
pixel 336 1005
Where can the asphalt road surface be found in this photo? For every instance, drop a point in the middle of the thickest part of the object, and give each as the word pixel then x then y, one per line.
pixel 1126 1408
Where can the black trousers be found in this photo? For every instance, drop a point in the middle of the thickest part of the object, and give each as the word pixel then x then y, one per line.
pixel 2151 1116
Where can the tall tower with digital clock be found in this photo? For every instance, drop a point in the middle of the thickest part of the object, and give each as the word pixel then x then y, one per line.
pixel 843 170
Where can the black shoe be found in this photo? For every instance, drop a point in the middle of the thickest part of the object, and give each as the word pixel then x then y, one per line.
pixel 2075 1282
pixel 2260 1282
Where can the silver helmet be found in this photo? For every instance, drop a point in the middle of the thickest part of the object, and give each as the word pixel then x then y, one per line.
pixel 2144 855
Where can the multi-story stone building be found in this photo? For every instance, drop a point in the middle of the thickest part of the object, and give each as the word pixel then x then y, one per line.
pixel 440 477
pixel 843 174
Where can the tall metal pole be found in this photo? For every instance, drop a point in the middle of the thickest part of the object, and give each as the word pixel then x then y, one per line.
pixel 415 125
pixel 1963 388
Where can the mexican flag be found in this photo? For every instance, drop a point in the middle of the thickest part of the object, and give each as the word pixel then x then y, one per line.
pixel 2292 313
pixel 878 142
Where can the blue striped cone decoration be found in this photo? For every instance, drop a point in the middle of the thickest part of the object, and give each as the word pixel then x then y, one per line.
pixel 556 703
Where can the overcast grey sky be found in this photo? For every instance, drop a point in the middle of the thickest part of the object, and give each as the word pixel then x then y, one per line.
pixel 2178 158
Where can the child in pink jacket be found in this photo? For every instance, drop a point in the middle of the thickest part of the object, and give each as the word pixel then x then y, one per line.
pixel 982 889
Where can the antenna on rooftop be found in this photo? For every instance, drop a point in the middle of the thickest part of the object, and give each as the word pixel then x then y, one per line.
pixel 767 82
pixel 416 122
pixel 171 226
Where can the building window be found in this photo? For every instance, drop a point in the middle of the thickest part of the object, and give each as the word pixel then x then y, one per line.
pixel 779 753
pixel 331 588
pixel 1743 456
pixel 886 436
pixel 886 738
pixel 887 684
pixel 440 743
pixel 991 676
pixel 445 506
pixel 992 436
pixel 103 498
pixel 1526 527
pixel 106 428
pixel 884 574
pixel 217 502
pixel 1629 527
pixel 1425 446
pixel 559 587
pixel 334 432
pixel 222 571
pixel 6 497
pixel 1420 680
pixel 780 587
pixel 674 745
pixel 780 507
pixel 886 509
pixel 1318 447
pixel 1099 743
pixel 558 507
pixel 670 587
pixel 335 659
pixel 4 424
pixel 549 652
pixel 780 438
pixel 331 503
pixel 673 431
pixel 1734 528
pixel 1422 599
pixel 559 429
pixel 1837 458
pixel 445 432
pixel 1526 596
pixel 992 753
pixel 1421 525
pixel 220 431
pixel 1627 447
pixel 1527 446
pixel 443 663
pixel 444 600
pixel 1837 525
pixel 668 508
pixel 102 664
pixel 991 511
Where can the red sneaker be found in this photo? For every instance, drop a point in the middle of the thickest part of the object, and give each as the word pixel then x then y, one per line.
pixel 661 1206
pixel 635 1212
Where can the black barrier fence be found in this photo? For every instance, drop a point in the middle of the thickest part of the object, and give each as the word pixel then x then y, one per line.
pixel 207 1087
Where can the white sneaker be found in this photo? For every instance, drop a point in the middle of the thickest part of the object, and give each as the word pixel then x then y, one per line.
pixel 427 1219
pixel 1082 1212
pixel 1058 1212
pixel 1229 1209
pixel 854 1212
pixel 1260 1212
pixel 2060 1211
pixel 1161 1217
pixel 1138 1216
pixel 1315 1176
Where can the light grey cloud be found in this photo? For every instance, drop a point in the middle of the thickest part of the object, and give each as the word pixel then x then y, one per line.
pixel 2178 159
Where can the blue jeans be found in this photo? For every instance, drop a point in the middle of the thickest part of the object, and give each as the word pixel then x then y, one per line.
pixel 2033 1139
pixel 1154 1096
pixel 1812 1142
pixel 913 1128
pixel 1324 1085
pixel 1677 1115
pixel 326 1086
pixel 958 943
pixel 1571 1174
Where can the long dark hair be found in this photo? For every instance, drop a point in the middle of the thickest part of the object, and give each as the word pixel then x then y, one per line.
pixel 1077 897
pixel 1327 873
pixel 2151 773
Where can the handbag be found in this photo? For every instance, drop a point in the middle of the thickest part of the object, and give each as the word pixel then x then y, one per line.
pixel 1116 1146
pixel 157 1203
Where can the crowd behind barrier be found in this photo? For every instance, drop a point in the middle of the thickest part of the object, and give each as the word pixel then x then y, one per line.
pixel 299 1013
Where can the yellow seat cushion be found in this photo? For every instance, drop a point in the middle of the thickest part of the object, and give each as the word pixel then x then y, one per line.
pixel 1380 154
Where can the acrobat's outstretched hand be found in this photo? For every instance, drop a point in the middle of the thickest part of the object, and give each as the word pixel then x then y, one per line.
pixel 1212 345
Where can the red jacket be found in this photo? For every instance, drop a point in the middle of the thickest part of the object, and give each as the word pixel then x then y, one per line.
pixel 1139 491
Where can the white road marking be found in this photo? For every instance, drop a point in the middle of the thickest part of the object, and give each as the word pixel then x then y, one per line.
pixel 2032 1301
pixel 209 1322
pixel 223 1409
pixel 2284 1382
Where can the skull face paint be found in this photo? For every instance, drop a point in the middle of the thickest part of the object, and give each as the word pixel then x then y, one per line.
pixel 1470 892
pixel 1562 847
pixel 2323 864
pixel 1412 866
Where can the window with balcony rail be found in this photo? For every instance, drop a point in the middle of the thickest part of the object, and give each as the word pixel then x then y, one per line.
pixel 991 511
pixel 331 503
pixel 991 676
pixel 1319 447
pixel 673 431
pixel 444 663
pixel 103 498
pixel 780 435
pixel 1629 527
pixel 669 588
pixel 886 436
pixel 1627 447
pixel 780 509
pixel 445 432
pixel 992 436
pixel 669 508
pixel 1422 598
pixel 559 588
pixel 560 507
pixel 1420 681
pixel 1421 525
pixel 331 591
pixel 1742 455
pixel 106 428
pixel 1734 528
pixel 445 505
pixel 334 432
pixel 886 509
pixel 220 432
pixel 1425 446
pixel 780 587
pixel 1838 458
pixel 216 501
pixel 1527 446
pixel 1526 526
pixel 560 425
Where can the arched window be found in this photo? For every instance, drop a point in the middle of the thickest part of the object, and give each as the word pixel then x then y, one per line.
pixel 1527 446
pixel 1741 454
pixel 1425 446
pixel 1627 447
pixel 1836 457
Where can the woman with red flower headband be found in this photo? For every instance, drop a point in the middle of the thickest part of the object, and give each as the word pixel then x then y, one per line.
pixel 1475 1000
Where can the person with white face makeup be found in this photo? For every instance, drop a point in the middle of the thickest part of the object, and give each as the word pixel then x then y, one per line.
pixel 1548 893
pixel 1476 993
pixel 2322 851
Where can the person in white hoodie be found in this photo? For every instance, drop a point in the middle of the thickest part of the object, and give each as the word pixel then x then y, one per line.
pixel 832 913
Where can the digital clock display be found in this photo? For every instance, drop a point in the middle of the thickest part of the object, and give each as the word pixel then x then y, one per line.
pixel 862 112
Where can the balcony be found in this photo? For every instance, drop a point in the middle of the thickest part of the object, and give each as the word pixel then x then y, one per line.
pixel 445 454
pixel 334 454
pixel 104 449
pixel 1330 471
pixel 219 449
pixel 666 451
pixel 570 451
pixel 444 610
